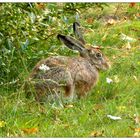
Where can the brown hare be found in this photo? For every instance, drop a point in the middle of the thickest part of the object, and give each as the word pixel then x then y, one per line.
pixel 69 75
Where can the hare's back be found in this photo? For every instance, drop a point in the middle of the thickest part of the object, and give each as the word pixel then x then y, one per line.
pixel 57 61
pixel 48 63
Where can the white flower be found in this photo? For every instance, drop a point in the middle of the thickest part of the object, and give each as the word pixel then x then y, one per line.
pixel 127 38
pixel 114 117
pixel 108 80
pixel 44 67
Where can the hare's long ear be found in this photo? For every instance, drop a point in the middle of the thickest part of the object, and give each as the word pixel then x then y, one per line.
pixel 71 43
pixel 77 32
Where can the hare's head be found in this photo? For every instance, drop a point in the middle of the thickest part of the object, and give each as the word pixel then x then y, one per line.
pixel 98 59
pixel 92 54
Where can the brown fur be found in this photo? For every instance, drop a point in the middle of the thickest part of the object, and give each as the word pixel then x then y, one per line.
pixel 69 75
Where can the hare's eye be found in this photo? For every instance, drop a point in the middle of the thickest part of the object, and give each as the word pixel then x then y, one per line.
pixel 98 55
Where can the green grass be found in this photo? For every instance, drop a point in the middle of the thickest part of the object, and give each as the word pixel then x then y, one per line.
pixel 89 114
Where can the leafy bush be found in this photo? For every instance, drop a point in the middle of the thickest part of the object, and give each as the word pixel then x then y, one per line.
pixel 27 28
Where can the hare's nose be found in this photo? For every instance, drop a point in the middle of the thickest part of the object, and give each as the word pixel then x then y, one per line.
pixel 107 65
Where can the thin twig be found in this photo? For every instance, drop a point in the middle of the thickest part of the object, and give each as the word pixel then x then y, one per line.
pixel 117 9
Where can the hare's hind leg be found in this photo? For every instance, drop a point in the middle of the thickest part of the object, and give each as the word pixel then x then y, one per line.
pixel 82 90
pixel 69 91
pixel 69 88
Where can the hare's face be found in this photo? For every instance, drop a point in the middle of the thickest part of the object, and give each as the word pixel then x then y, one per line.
pixel 98 59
